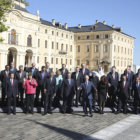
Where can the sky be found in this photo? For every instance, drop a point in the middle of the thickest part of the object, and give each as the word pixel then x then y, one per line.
pixel 121 13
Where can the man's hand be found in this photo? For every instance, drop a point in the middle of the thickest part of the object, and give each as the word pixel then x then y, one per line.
pixel 6 97
pixel 17 95
pixel 45 90
pixel 109 84
pixel 54 95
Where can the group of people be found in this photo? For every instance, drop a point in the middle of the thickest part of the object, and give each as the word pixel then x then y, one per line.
pixel 60 89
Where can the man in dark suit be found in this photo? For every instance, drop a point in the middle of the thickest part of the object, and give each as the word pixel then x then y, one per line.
pixel 136 89
pixel 136 75
pixel 84 71
pixel 4 76
pixel 68 91
pixel 11 93
pixel 33 70
pixel 87 87
pixel 64 71
pixel 20 75
pixel 42 76
pixel 49 92
pixel 113 79
pixel 123 94
pixel 95 80
pixel 77 77
pixel 13 69
pixel 48 69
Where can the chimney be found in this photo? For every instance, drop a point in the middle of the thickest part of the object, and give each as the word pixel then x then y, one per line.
pixel 79 26
pixel 53 22
pixel 96 21
pixel 37 13
pixel 60 25
pixel 120 29
pixel 104 22
pixel 113 26
pixel 66 26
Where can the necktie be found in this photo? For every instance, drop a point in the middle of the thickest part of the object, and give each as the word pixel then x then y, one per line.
pixel 11 82
pixel 114 76
pixel 123 84
pixel 76 75
pixel 7 73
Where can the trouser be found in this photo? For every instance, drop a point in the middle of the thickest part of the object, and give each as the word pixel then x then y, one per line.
pixel 21 93
pixel 136 104
pixel 29 102
pixel 94 99
pixel 77 96
pixel 57 98
pixel 47 102
pixel 38 91
pixel 122 103
pixel 67 104
pixel 3 94
pixel 87 103
pixel 9 101
pixel 112 94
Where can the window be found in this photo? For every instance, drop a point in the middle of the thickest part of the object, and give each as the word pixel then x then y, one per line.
pixel 70 61
pixel 29 41
pixel 125 50
pixel 57 45
pixel 46 31
pixel 71 48
pixel 118 49
pixel 52 45
pixel 114 48
pixel 106 36
pixel 87 62
pixel 62 35
pixel 66 47
pixel 56 60
pixel 96 48
pixel 118 63
pixel 66 36
pixel 46 42
pixel 52 60
pixel 78 48
pixel 62 47
pixel 78 62
pixel 57 34
pixel 114 62
pixel 38 59
pixel 13 37
pixel 105 48
pixel 71 37
pixel 45 59
pixel 66 61
pixel 87 48
pixel 79 37
pixel 38 42
pixel 61 61
pixel 97 37
pixel 88 36
pixel 52 32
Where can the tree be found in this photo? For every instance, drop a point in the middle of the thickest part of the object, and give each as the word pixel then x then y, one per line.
pixel 5 6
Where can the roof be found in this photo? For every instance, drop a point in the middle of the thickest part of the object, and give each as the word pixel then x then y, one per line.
pixel 96 27
pixel 20 8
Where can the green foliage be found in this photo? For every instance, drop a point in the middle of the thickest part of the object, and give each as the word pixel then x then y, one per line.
pixel 5 6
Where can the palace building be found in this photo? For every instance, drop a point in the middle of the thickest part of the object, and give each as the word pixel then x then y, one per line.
pixel 32 39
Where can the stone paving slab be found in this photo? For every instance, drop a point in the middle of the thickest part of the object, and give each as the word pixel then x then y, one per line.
pixel 56 126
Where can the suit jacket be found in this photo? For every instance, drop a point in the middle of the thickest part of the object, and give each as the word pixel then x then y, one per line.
pixel 50 86
pixel 95 80
pixel 129 78
pixel 68 89
pixel 124 92
pixel 40 80
pixel 48 72
pixel 35 74
pixel 64 75
pixel 77 81
pixel 4 78
pixel 85 73
pixel 136 91
pixel 12 90
pixel 20 79
pixel 87 90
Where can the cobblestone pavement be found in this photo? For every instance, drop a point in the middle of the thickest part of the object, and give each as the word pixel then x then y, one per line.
pixel 54 127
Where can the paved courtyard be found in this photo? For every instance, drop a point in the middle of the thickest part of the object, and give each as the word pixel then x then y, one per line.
pixel 54 127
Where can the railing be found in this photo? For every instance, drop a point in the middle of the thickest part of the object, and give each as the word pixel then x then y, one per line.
pixel 63 52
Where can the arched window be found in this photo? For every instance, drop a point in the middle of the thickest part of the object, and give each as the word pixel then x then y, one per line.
pixel 29 41
pixel 12 37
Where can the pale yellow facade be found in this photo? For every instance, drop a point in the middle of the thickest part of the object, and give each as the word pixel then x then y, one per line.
pixel 30 39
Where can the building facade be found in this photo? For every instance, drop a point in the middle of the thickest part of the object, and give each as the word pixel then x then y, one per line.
pixel 32 39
